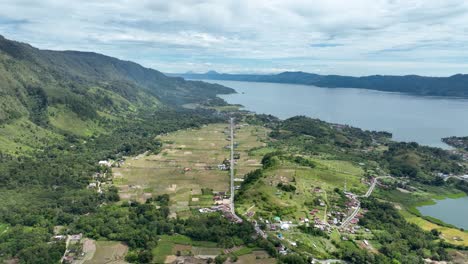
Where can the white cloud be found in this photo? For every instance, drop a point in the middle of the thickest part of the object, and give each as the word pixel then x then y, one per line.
pixel 331 36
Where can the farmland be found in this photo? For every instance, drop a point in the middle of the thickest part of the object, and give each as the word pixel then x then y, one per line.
pixel 106 252
pixel 178 247
pixel 187 164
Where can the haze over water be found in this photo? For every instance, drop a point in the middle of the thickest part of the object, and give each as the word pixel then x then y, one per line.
pixel 410 118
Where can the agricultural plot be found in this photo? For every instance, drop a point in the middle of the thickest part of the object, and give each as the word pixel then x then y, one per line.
pixel 169 247
pixel 256 257
pixel 106 252
pixel 187 164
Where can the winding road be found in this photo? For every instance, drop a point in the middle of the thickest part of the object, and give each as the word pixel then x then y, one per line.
pixel 368 193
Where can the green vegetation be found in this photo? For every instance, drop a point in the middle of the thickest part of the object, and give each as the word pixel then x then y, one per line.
pixel 457 142
pixel 63 112
pixel 339 154
pixel 162 250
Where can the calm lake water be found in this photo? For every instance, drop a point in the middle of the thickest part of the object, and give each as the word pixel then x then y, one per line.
pixel 410 118
pixel 451 211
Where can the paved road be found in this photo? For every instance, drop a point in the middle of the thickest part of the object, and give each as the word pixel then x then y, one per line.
pixel 351 216
pixel 231 124
pixel 233 211
pixel 457 177
pixel 368 193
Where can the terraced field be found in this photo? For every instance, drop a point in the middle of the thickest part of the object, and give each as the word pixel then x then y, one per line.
pixel 186 165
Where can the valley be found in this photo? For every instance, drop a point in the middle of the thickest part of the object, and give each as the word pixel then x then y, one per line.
pixel 103 160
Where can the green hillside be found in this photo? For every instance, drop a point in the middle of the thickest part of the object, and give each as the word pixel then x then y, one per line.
pixel 79 92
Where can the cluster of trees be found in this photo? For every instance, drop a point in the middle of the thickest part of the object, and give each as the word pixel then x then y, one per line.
pixel 311 136
pixel 321 133
pixel 30 245
pixel 48 187
pixel 401 241
pixel 419 162
pixel 286 187
pixel 139 225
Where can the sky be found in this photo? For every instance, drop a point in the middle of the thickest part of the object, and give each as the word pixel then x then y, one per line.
pixel 346 37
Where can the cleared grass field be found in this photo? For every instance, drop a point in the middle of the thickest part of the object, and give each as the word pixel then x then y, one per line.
pixel 22 135
pixel 67 120
pixel 108 252
pixel 163 250
pixel 169 246
pixel 187 163
pixel 260 257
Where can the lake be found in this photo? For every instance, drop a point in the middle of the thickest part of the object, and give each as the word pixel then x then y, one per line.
pixel 410 118
pixel 451 211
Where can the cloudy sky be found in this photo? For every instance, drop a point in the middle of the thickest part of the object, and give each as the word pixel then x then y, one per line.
pixel 352 37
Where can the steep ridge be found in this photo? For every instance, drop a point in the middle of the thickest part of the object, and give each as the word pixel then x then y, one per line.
pixel 44 92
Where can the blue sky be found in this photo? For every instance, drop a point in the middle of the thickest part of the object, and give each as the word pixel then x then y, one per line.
pixel 348 37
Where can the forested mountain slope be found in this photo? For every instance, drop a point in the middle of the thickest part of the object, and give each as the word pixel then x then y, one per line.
pixel 42 91
pixel 453 86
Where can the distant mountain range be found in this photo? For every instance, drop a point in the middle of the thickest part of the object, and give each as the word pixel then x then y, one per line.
pixel 453 86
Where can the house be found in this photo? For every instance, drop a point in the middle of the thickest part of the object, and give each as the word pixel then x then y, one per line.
pixel 60 237
pixel 105 163
pixel 76 237
pixel 223 167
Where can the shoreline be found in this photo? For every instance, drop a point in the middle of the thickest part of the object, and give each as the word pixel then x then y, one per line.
pixel 414 209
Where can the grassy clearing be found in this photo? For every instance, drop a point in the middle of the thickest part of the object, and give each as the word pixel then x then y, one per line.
pixel 225 108
pixel 163 250
pixel 319 246
pixel 185 240
pixel 258 256
pixel 187 163
pixel 21 136
pixel 66 120
pixel 206 251
pixel 243 251
pixel 171 245
pixel 109 252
